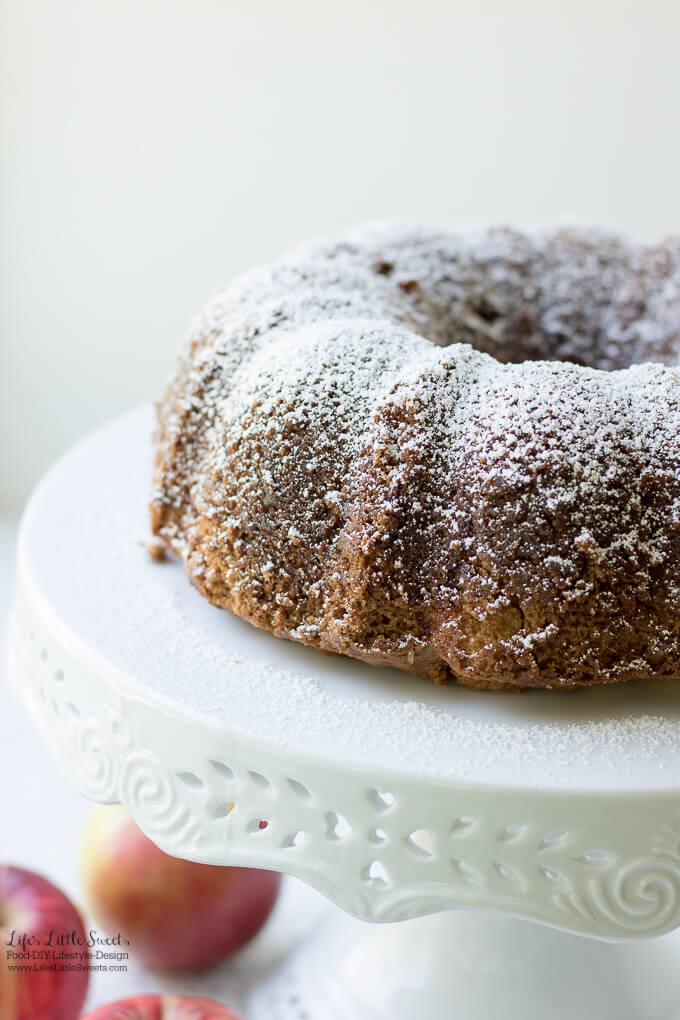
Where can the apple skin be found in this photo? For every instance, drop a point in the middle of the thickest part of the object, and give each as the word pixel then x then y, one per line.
pixel 163 1007
pixel 31 905
pixel 177 915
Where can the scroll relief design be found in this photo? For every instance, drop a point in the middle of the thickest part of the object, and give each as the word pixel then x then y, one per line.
pixel 368 853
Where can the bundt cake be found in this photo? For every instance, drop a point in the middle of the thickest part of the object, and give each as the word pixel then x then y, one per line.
pixel 453 453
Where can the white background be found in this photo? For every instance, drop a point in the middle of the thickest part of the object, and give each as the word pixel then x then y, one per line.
pixel 153 148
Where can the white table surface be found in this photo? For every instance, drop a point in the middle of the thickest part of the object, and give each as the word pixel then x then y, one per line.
pixel 42 819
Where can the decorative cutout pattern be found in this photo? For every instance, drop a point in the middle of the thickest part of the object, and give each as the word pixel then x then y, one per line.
pixel 558 838
pixel 223 770
pixel 385 848
pixel 513 831
pixel 380 800
pixel 420 844
pixel 375 874
pixel 463 825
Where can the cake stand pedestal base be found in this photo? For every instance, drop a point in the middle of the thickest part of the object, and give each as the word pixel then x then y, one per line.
pixel 464 965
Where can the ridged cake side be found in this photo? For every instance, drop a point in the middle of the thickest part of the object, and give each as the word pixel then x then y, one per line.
pixel 361 451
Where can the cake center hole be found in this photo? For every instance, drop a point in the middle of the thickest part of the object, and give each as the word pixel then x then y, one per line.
pixel 518 333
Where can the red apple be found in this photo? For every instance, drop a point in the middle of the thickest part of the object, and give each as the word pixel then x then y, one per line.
pixel 39 927
pixel 163 1007
pixel 177 915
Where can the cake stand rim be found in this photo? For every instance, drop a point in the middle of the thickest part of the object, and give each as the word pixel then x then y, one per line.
pixel 121 683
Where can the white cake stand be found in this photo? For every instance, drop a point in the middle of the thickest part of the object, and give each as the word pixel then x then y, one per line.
pixel 393 797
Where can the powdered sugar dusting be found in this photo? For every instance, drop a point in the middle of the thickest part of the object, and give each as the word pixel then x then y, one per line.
pixel 438 451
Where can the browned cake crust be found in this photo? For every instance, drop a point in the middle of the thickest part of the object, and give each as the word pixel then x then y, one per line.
pixel 454 454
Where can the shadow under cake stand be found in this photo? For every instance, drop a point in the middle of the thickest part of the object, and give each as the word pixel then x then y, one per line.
pixel 394 798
